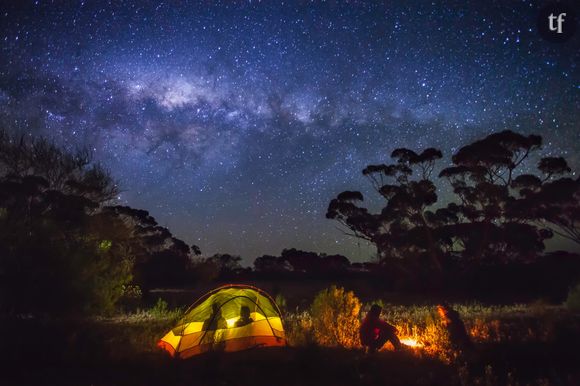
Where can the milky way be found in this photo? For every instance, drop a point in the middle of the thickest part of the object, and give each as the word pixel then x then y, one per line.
pixel 235 124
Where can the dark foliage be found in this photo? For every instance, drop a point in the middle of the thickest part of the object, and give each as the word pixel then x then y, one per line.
pixel 300 262
pixel 500 215
pixel 59 253
pixel 62 249
pixel 161 260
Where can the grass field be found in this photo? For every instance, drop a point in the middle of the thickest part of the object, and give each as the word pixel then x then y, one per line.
pixel 514 345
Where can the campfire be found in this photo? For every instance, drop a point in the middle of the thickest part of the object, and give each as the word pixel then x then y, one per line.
pixel 411 342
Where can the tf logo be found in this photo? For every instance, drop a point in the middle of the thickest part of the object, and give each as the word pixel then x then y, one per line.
pixel 557 22
pixel 560 19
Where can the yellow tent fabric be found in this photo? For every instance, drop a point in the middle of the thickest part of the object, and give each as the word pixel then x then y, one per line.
pixel 229 318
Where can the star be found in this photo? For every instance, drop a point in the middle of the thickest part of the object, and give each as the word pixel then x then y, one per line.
pixel 231 120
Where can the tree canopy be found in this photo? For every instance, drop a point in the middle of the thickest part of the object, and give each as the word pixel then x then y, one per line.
pixel 499 211
pixel 64 249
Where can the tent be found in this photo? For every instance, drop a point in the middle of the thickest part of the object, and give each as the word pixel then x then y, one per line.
pixel 229 318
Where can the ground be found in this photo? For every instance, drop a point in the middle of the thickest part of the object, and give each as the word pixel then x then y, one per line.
pixel 538 347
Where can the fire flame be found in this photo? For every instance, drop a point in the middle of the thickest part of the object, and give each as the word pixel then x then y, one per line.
pixel 411 342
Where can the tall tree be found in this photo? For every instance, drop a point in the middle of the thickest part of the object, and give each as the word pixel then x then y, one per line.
pixel 402 229
pixel 500 213
pixel 62 248
pixel 160 258
pixel 552 200
pixel 483 177
pixel 59 253
pixel 226 263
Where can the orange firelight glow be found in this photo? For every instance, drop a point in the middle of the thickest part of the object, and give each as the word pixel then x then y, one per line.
pixel 411 342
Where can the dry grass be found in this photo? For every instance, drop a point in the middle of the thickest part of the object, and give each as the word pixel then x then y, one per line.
pixel 420 326
pixel 520 344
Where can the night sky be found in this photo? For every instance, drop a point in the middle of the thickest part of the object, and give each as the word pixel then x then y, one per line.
pixel 235 124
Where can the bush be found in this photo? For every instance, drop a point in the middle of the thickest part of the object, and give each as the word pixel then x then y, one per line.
pixel 281 303
pixel 61 251
pixel 161 311
pixel 43 273
pixel 573 300
pixel 130 299
pixel 298 329
pixel 335 318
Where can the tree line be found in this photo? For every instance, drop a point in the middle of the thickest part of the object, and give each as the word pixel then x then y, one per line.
pixel 66 247
pixel 501 211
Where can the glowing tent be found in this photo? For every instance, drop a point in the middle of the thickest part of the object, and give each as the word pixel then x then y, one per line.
pixel 229 318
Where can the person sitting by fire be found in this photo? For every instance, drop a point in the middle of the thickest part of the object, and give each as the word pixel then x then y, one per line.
pixel 455 327
pixel 375 332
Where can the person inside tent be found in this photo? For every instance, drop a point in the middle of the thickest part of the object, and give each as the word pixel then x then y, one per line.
pixel 244 317
pixel 374 332
pixel 216 321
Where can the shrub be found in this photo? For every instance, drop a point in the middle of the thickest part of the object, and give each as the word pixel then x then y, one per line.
pixel 281 302
pixel 335 318
pixel 61 251
pixel 44 273
pixel 131 298
pixel 298 329
pixel 161 311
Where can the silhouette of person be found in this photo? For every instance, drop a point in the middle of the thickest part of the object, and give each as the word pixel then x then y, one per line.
pixel 374 332
pixel 215 321
pixel 244 317
pixel 456 328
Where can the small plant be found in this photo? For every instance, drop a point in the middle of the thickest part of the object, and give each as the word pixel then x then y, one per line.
pixel 573 300
pixel 161 311
pixel 281 302
pixel 160 308
pixel 299 329
pixel 335 318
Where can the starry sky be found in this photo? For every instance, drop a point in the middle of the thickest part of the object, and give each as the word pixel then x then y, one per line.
pixel 235 123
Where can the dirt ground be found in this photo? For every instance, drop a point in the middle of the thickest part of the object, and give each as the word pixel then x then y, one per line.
pixel 267 366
